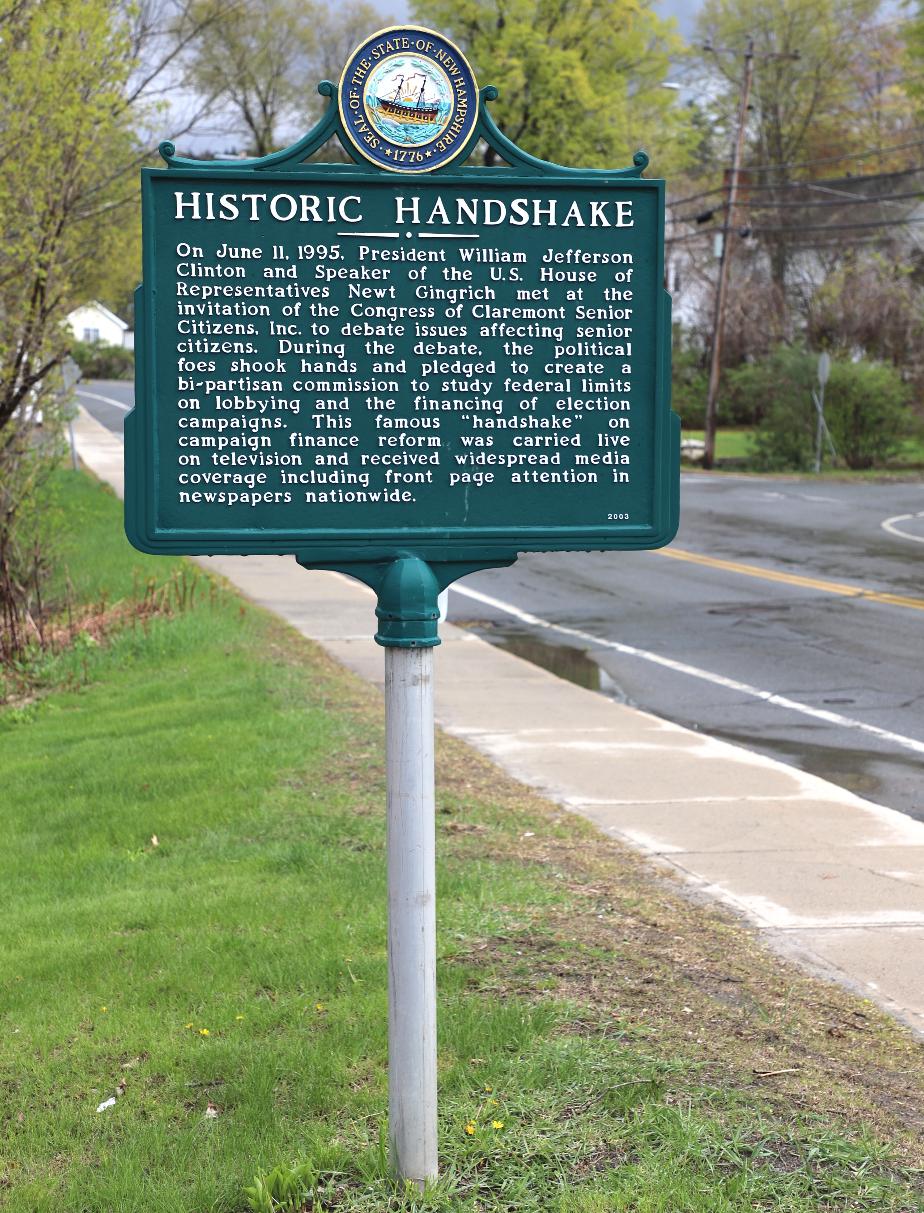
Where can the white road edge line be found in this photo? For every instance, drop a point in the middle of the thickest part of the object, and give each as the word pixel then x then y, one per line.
pixel 126 408
pixel 889 525
pixel 681 667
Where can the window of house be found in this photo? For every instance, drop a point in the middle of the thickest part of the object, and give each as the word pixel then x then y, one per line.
pixel 91 334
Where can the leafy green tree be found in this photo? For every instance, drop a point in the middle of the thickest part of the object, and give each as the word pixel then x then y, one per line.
pixel 814 93
pixel 914 56
pixel 260 64
pixel 579 80
pixel 77 80
pixel 872 303
pixel 804 55
pixel 63 71
pixel 72 94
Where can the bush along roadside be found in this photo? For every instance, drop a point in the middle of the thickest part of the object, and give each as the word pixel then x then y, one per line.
pixel 193 970
pixel 99 361
pixel 71 625
pixel 867 410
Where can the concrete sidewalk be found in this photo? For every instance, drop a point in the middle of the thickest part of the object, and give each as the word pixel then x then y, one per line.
pixel 826 877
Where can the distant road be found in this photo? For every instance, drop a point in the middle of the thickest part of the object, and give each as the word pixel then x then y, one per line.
pixel 787 617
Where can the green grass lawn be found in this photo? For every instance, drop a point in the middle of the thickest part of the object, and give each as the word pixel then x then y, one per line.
pixel 737 444
pixel 729 444
pixel 192 854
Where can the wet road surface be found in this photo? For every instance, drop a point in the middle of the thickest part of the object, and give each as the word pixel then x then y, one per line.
pixel 788 617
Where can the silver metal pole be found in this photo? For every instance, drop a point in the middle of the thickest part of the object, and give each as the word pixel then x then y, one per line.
pixel 411 913
pixel 820 427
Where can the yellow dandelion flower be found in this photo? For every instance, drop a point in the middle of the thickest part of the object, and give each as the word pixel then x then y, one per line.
pixel 204 1032
pixel 488 1089
pixel 104 1008
pixel 492 1103
pixel 239 1017
pixel 187 1025
pixel 497 1124
pixel 319 1007
pixel 470 1128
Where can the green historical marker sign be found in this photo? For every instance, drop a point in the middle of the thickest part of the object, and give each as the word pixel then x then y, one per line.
pixel 405 368
pixel 401 355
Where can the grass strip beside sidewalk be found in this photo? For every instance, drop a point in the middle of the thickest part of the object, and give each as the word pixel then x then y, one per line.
pixel 192 837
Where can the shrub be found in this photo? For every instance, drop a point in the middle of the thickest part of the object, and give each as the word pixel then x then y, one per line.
pixel 98 361
pixel 689 385
pixel 867 412
pixel 756 389
pixel 30 449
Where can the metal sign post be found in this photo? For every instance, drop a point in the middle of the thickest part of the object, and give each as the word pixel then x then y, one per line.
pixel 818 399
pixel 411 836
pixel 70 377
pixel 404 368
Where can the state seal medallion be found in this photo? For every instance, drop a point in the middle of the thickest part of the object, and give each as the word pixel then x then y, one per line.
pixel 408 100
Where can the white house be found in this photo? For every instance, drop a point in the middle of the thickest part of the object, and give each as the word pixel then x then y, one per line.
pixel 95 323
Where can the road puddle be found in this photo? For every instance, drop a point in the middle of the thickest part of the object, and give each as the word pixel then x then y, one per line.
pixel 886 777
pixel 563 660
pixel 853 769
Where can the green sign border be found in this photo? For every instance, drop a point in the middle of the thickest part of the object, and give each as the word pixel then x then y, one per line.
pixel 474 547
pixel 406 568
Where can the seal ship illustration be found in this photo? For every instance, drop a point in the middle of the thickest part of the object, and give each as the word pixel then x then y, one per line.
pixel 402 106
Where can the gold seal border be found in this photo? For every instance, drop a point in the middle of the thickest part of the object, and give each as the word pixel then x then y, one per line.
pixel 394 29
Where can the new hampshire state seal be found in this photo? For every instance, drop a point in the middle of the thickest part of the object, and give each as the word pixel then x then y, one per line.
pixel 408 100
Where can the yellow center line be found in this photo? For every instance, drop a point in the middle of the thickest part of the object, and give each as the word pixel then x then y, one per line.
pixel 809 583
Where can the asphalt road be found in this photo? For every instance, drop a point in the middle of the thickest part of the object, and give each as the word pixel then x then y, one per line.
pixel 788 617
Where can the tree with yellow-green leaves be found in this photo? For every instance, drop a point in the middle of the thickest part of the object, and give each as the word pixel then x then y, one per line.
pixel 260 64
pixel 826 98
pixel 581 81
pixel 75 78
pixel 914 56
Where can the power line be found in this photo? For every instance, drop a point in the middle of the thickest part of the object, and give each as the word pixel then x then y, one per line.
pixel 719 189
pixel 846 201
pixel 873 151
pixel 837 244
pixel 760 230
pixel 836 227
pixel 793 185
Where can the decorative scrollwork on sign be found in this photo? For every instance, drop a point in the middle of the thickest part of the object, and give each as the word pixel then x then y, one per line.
pixel 331 125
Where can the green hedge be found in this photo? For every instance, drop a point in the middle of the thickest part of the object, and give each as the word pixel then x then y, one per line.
pixel 98 361
pixel 866 409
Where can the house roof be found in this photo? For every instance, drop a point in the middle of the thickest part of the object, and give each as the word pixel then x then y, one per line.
pixel 95 303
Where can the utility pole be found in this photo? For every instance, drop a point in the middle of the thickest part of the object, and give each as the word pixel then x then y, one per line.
pixel 718 325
